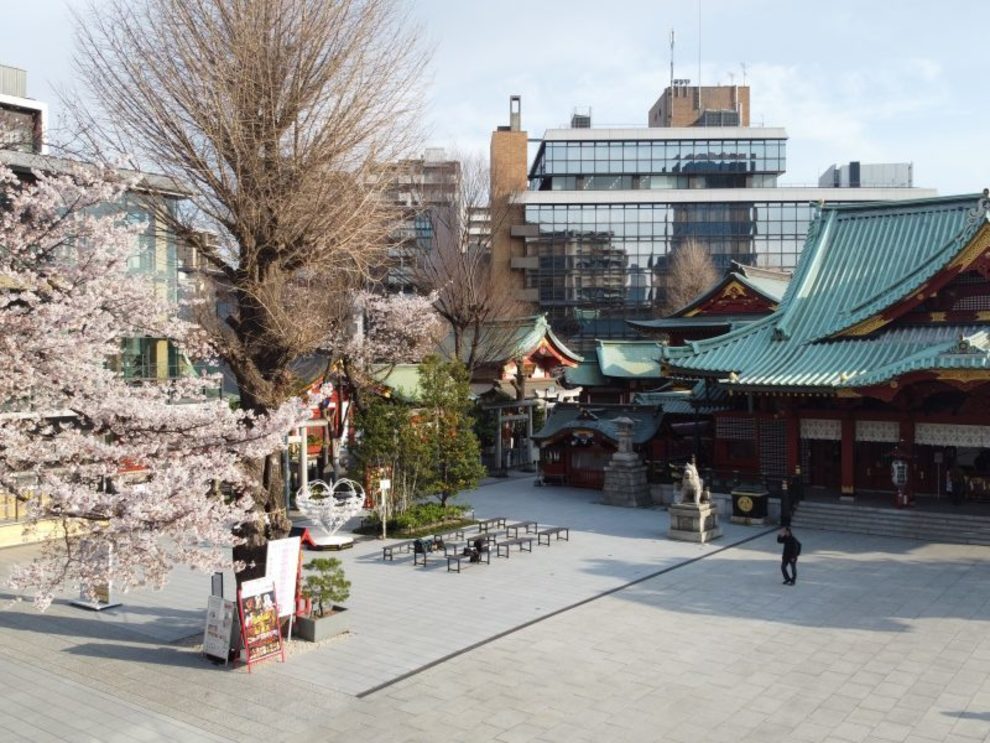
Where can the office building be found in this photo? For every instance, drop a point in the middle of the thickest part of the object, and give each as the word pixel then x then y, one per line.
pixel 22 119
pixel 873 175
pixel 599 211
pixel 156 252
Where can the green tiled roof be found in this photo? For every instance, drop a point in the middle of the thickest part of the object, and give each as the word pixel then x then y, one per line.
pixel 629 359
pixel 402 379
pixel 696 321
pixel 508 339
pixel 585 374
pixel 601 418
pixel 857 261
pixel 769 284
pixel 683 402
pixel 860 259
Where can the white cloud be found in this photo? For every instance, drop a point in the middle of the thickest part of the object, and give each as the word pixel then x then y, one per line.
pixel 834 117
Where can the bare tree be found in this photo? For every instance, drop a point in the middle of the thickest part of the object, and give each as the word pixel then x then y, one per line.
pixel 280 115
pixel 475 301
pixel 690 272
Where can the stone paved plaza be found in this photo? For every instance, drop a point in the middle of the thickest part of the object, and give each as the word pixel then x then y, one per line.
pixel 618 634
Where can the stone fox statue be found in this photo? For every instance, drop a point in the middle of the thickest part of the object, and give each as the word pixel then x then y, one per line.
pixel 691 485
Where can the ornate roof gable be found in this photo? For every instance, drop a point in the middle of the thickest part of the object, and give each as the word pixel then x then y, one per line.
pixel 873 264
pixel 861 268
pixel 744 290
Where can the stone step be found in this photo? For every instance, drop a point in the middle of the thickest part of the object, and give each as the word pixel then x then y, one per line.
pixel 880 523
pixel 940 536
pixel 906 515
pixel 983 540
pixel 940 527
pixel 934 525
pixel 852 508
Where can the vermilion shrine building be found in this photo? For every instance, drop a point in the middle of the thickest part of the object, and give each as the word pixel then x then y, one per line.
pixel 881 342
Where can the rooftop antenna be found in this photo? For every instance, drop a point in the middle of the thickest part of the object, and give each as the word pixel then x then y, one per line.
pixel 700 107
pixel 743 66
pixel 671 59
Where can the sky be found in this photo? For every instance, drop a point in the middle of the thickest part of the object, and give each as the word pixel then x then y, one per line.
pixel 873 80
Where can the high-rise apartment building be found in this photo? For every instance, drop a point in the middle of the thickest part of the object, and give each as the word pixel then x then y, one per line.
pixel 604 209
pixel 427 190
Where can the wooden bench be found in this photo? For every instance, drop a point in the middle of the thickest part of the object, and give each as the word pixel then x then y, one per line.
pixel 429 547
pixel 562 532
pixel 494 522
pixel 388 551
pixel 459 557
pixel 457 546
pixel 530 526
pixel 420 557
pixel 524 543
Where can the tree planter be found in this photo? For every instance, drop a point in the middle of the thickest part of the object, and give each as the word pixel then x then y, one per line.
pixel 315 629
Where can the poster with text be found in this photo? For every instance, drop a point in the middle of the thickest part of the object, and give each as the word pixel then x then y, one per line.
pixel 259 620
pixel 219 624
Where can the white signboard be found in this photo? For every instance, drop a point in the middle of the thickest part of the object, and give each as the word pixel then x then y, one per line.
pixel 219 623
pixel 282 566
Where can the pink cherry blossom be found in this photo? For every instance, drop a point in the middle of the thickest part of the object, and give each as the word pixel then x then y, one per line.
pixel 153 468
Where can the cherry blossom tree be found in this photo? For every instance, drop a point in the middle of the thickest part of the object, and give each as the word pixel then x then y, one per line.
pixel 384 330
pixel 153 469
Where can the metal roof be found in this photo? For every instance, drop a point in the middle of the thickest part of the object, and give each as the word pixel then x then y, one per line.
pixel 601 418
pixel 629 359
pixel 401 379
pixel 31 162
pixel 585 374
pixel 507 339
pixel 771 285
pixel 857 261
pixel 685 402
pixel 695 321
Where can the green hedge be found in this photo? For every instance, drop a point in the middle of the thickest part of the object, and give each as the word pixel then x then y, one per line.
pixel 420 517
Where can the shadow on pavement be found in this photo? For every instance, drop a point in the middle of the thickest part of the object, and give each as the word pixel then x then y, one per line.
pixel 161 655
pixel 888 593
pixel 963 715
pixel 70 621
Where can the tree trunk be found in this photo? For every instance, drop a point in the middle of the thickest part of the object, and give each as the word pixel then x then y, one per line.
pixel 271 508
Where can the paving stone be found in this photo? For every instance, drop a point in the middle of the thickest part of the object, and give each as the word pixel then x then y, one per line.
pixel 882 636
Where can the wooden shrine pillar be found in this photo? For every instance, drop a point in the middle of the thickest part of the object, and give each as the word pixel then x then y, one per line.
pixel 848 445
pixel 793 447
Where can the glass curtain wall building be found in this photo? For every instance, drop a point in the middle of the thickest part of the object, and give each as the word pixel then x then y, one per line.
pixel 606 208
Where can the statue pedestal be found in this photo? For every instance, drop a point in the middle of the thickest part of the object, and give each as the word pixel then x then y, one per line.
pixel 693 523
pixel 625 482
pixel 625 475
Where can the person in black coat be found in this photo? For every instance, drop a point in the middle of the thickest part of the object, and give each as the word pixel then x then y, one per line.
pixel 789 556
